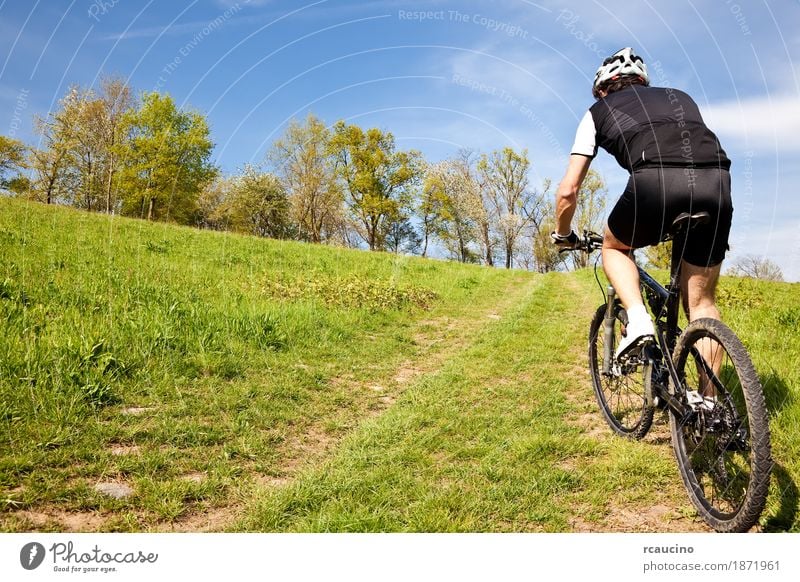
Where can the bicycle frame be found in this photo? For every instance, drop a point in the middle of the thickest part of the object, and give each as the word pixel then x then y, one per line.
pixel 664 303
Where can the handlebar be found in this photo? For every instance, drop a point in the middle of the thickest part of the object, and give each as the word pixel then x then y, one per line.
pixel 590 241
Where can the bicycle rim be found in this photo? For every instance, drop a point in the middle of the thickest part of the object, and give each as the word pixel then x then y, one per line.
pixel 723 448
pixel 621 393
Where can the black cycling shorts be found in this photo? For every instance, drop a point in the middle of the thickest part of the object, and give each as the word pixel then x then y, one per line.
pixel 654 197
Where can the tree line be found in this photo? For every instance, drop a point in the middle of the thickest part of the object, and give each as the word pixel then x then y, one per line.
pixel 110 151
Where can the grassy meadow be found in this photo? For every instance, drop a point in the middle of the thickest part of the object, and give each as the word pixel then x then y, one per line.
pixel 238 384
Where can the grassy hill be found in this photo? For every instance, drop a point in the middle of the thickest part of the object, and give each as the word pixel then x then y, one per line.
pixel 228 383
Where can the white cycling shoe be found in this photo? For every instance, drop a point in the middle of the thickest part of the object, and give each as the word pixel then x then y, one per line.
pixel 639 332
pixel 700 402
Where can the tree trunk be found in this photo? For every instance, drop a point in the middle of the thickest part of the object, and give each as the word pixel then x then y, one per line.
pixel 487 246
pixel 108 185
pixel 89 185
pixel 372 234
pixel 151 208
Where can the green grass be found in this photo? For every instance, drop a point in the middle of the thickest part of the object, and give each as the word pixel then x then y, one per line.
pixel 240 384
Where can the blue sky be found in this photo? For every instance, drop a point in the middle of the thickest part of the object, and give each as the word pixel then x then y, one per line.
pixel 440 75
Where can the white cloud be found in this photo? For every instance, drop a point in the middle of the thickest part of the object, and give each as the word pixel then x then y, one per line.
pixel 506 73
pixel 770 121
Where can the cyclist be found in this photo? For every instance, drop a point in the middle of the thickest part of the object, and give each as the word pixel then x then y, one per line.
pixel 676 165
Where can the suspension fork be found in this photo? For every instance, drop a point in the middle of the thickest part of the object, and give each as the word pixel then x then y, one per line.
pixel 608 331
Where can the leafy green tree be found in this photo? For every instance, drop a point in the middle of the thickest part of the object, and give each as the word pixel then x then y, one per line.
pixel 378 181
pixel 546 256
pixel 50 170
pixel 430 208
pixel 12 160
pixel 257 204
pixel 211 204
pixel 76 136
pixel 659 256
pixel 303 161
pixel 403 237
pixel 77 164
pixel 164 160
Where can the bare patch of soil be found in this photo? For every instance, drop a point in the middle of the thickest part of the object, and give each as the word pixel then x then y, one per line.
pixel 136 410
pixel 213 520
pixel 656 518
pixel 121 450
pixel 62 520
pixel 195 477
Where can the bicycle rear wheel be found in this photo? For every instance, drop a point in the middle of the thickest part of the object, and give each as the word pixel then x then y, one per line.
pixel 723 447
pixel 620 392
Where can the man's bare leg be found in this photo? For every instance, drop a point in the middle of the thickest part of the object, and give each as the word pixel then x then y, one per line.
pixel 698 288
pixel 621 271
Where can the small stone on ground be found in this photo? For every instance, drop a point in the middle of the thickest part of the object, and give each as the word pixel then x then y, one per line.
pixel 115 490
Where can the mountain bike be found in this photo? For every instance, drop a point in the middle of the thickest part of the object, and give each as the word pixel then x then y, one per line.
pixel 703 377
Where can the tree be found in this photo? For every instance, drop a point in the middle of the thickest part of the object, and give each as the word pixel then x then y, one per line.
pixel 378 181
pixel 402 236
pixel 77 133
pixel 591 205
pixel 660 255
pixel 257 204
pixel 115 101
pixel 756 267
pixel 303 160
pixel 430 208
pixel 51 170
pixel 504 179
pixel 453 200
pixel 77 162
pixel 546 255
pixel 164 160
pixel 211 204
pixel 12 160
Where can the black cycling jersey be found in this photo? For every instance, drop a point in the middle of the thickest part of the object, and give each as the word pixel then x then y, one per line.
pixel 650 127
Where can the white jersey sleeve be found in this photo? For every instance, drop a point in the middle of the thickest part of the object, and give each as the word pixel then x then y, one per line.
pixel 585 138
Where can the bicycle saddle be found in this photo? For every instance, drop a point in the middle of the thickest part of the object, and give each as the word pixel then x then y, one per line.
pixel 685 219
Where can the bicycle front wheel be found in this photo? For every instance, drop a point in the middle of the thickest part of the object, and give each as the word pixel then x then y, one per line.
pixel 723 446
pixel 619 390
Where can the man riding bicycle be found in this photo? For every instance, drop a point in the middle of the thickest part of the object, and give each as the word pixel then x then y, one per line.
pixel 676 165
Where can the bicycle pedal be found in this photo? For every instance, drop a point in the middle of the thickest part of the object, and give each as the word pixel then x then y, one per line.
pixel 635 353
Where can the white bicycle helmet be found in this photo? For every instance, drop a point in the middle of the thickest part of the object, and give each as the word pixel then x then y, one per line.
pixel 622 62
